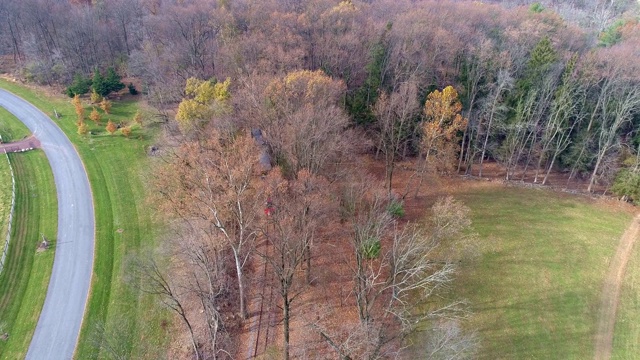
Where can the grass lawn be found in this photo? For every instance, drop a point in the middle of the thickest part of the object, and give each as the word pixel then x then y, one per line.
pixel 24 281
pixel 5 198
pixel 117 312
pixel 11 129
pixel 626 340
pixel 535 288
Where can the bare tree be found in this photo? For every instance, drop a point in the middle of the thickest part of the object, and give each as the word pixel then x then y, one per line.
pixel 151 279
pixel 391 285
pixel 289 229
pixel 212 181
pixel 396 114
pixel 303 120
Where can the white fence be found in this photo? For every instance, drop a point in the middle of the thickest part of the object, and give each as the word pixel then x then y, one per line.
pixel 5 248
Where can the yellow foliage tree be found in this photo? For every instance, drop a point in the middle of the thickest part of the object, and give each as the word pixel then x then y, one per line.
pixel 83 129
pixel 441 127
pixel 105 105
pixel 126 131
pixel 95 97
pixel 205 99
pixel 77 103
pixel 443 123
pixel 95 116
pixel 111 127
pixel 137 118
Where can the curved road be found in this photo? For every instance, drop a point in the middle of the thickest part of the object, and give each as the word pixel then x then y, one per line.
pixel 57 331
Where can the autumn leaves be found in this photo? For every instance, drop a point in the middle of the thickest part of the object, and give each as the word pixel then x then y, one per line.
pixel 96 117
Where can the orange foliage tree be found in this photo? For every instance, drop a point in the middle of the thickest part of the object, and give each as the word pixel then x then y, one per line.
pixel 77 103
pixel 126 131
pixel 95 116
pixel 105 105
pixel 111 127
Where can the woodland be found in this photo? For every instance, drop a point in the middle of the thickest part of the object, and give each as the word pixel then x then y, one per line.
pixel 267 108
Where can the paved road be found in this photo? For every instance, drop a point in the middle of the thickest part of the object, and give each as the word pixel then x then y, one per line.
pixel 59 325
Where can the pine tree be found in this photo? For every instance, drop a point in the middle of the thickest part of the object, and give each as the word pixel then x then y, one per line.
pixel 99 85
pixel 112 81
pixel 137 118
pixel 77 103
pixel 111 127
pixel 126 131
pixel 83 129
pixel 95 97
pixel 80 85
pixel 95 116
pixel 105 105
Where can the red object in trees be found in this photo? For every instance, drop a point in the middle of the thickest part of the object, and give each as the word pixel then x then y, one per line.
pixel 269 209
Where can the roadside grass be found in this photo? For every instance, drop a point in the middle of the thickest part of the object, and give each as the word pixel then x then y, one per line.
pixel 626 337
pixel 11 129
pixel 120 321
pixel 5 198
pixel 535 288
pixel 24 281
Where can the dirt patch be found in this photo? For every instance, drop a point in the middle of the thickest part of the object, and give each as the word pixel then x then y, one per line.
pixel 611 291
pixel 28 143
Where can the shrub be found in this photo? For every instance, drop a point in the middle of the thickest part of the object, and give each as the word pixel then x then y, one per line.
pixel 132 89
pixel 126 131
pixel 627 183
pixel 396 209
pixel 370 248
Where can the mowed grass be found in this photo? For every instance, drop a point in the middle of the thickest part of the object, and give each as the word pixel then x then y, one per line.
pixel 626 340
pixel 24 281
pixel 117 313
pixel 11 129
pixel 535 288
pixel 5 197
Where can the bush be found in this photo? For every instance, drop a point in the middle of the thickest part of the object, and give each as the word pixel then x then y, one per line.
pixel 536 8
pixel 396 209
pixel 371 248
pixel 627 183
pixel 132 89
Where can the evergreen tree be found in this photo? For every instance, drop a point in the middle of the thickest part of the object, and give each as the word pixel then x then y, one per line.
pixel 80 86
pixel 113 81
pixel 99 84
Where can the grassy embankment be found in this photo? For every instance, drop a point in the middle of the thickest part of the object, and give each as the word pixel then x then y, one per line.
pixel 11 128
pixel 535 288
pixel 130 321
pixel 24 281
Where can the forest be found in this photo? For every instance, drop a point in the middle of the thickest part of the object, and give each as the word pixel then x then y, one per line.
pixel 267 106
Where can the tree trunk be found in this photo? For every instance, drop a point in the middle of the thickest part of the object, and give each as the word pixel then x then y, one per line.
pixel 243 305
pixel 595 171
pixel 285 309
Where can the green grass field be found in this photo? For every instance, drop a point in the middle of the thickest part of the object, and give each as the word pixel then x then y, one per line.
pixel 11 129
pixel 535 288
pixel 626 340
pixel 5 197
pixel 24 281
pixel 116 312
